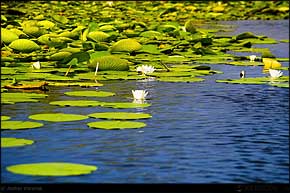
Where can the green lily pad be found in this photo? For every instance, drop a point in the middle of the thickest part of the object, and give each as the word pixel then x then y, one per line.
pixel 81 84
pixel 57 117
pixel 52 169
pixel 77 103
pixel 90 93
pixel 125 105
pixel 15 142
pixel 120 115
pixel 180 79
pixel 24 45
pixel 257 80
pixel 8 36
pixel 5 118
pixel 11 98
pixel 19 125
pixel 107 63
pixel 116 125
pixel 126 45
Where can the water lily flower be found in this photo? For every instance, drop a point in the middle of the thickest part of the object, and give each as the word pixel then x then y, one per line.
pixel 139 94
pixel 36 65
pixel 252 58
pixel 275 73
pixel 145 69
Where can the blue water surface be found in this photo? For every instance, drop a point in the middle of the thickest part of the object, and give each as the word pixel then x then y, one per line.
pixel 204 132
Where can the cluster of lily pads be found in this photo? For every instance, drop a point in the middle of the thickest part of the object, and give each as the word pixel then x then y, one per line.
pixel 87 43
pixel 115 120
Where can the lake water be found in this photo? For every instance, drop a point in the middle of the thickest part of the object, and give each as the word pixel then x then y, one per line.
pixel 203 132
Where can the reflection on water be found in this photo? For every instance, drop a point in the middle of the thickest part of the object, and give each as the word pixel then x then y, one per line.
pixel 202 132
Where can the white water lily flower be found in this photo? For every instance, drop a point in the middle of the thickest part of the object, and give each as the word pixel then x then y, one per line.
pixel 36 65
pixel 145 69
pixel 275 73
pixel 139 94
pixel 252 58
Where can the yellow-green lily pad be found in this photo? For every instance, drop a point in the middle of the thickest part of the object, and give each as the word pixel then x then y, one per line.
pixel 52 169
pixel 180 79
pixel 24 45
pixel 116 125
pixel 90 93
pixel 120 115
pixel 256 80
pixel 15 142
pixel 77 103
pixel 58 117
pixel 20 125
pixel 125 105
pixel 5 118
pixel 11 98
pixel 81 84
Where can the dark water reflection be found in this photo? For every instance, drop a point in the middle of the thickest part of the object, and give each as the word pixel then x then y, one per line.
pixel 200 133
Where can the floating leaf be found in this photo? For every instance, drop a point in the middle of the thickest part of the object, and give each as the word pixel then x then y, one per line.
pixel 60 55
pixel 125 105
pixel 120 115
pixel 8 36
pixel 11 98
pixel 90 93
pixel 19 125
pixel 52 169
pixel 81 84
pixel 15 142
pixel 98 36
pixel 110 63
pixel 24 45
pixel 57 117
pixel 60 19
pixel 77 103
pixel 180 79
pixel 126 45
pixel 256 80
pixel 116 124
pixel 5 118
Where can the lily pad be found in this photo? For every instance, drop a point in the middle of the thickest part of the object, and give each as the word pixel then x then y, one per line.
pixel 24 45
pixel 180 79
pixel 11 98
pixel 77 103
pixel 81 84
pixel 109 63
pixel 116 125
pixel 126 45
pixel 19 125
pixel 15 142
pixel 57 117
pixel 90 93
pixel 8 36
pixel 5 118
pixel 257 80
pixel 120 115
pixel 125 105
pixel 52 169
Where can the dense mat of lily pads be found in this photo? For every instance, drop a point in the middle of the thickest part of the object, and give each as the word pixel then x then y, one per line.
pixel 70 46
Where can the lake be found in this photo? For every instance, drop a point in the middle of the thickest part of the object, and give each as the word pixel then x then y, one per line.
pixel 204 132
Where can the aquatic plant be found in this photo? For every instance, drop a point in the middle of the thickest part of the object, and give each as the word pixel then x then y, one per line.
pixel 139 94
pixel 145 69
pixel 275 73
